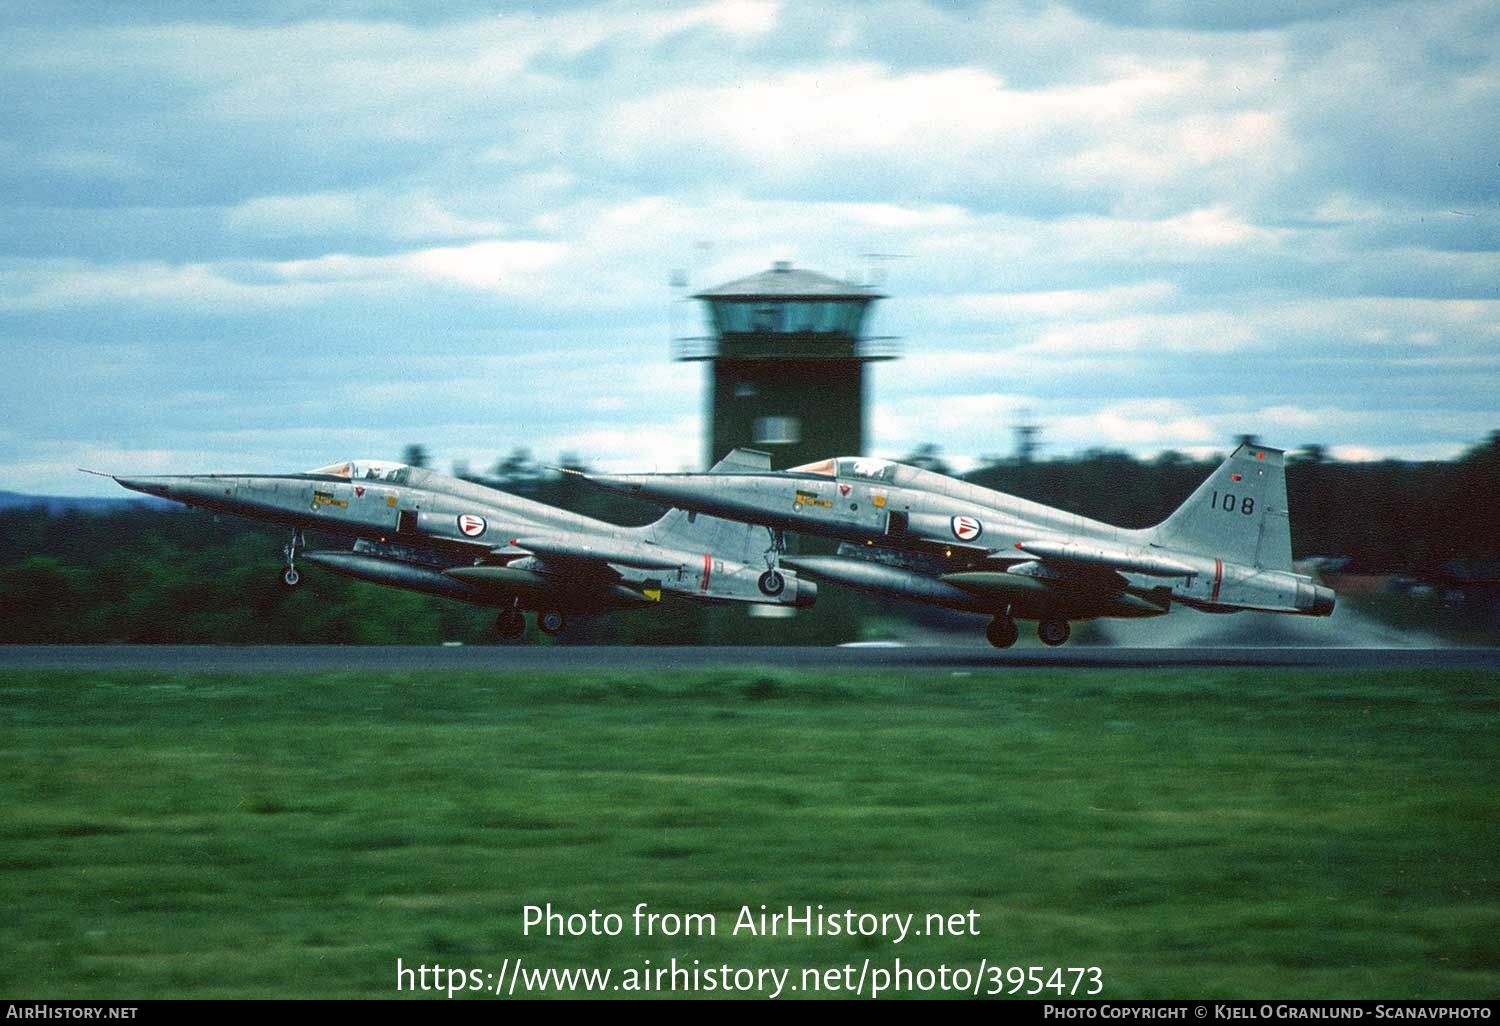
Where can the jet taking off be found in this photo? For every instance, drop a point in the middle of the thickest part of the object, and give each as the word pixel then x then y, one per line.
pixel 417 529
pixel 923 536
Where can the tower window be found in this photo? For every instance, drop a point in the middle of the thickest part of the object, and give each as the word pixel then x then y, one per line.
pixel 777 431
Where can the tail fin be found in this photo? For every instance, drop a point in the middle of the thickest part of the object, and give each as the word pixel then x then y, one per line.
pixel 698 532
pixel 1239 514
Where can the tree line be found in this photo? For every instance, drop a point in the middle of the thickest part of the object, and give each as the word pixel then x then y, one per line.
pixel 145 573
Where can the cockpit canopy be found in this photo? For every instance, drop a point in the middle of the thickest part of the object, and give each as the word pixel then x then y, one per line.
pixel 860 468
pixel 367 470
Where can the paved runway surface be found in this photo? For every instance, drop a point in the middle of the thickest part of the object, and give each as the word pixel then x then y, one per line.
pixel 436 659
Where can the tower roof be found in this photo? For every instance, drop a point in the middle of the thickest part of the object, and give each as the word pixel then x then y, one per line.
pixel 783 281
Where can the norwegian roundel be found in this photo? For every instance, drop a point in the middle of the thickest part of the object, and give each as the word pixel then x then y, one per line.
pixel 967 528
pixel 471 525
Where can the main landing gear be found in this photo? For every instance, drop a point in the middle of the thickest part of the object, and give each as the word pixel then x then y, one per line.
pixel 772 583
pixel 511 623
pixel 1002 631
pixel 1053 632
pixel 290 577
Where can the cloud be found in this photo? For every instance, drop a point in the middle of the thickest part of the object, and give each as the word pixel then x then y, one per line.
pixel 1139 225
pixel 369 214
pixel 963 134
pixel 496 267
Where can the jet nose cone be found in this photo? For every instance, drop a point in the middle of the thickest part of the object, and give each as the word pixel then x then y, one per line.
pixel 624 483
pixel 148 485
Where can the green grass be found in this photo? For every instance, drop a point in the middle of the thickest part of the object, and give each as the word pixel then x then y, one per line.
pixel 1192 833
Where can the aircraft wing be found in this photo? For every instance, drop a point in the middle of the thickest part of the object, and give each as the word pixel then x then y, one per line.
pixel 600 550
pixel 1089 555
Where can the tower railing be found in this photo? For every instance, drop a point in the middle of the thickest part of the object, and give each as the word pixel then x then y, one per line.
pixel 783 347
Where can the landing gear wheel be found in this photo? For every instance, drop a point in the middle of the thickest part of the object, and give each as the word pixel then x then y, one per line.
pixel 1002 632
pixel 510 624
pixel 1053 632
pixel 771 583
pixel 551 621
pixel 290 578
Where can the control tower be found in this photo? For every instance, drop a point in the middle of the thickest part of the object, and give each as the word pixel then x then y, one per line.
pixel 787 359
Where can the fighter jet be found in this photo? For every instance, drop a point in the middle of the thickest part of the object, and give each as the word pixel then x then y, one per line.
pixel 417 529
pixel 923 536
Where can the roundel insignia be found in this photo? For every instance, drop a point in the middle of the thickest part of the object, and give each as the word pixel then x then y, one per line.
pixel 471 525
pixel 967 528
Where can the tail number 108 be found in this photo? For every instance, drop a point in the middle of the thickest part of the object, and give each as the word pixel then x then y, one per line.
pixel 1228 503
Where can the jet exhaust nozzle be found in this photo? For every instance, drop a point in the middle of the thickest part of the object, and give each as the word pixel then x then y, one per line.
pixel 1324 600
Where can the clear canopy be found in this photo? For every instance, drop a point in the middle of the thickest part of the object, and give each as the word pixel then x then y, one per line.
pixel 366 470
pixel 862 468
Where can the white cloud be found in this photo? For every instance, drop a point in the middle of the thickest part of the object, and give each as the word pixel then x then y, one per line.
pixel 1184 334
pixel 379 215
pixel 1286 230
pixel 751 18
pixel 497 267
pixel 1064 302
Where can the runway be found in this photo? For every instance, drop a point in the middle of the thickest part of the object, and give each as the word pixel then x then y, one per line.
pixel 537 659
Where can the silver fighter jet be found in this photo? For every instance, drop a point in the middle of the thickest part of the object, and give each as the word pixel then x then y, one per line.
pixel 923 536
pixel 418 529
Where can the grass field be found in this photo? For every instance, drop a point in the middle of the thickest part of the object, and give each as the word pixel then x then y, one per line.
pixel 1191 833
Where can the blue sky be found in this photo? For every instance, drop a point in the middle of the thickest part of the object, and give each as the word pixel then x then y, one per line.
pixel 267 236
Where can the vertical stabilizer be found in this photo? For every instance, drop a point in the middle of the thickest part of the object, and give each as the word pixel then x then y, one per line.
pixel 696 532
pixel 1238 515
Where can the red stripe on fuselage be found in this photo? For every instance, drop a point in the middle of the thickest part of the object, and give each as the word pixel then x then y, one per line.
pixel 1218 579
pixel 708 566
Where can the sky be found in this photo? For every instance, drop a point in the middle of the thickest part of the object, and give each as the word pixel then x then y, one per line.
pixel 266 236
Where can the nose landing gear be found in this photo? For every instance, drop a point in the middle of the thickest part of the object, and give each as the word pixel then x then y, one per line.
pixel 290 577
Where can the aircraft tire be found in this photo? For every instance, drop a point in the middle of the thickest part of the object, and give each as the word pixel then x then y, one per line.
pixel 1053 632
pixel 551 621
pixel 771 583
pixel 510 624
pixel 1002 632
pixel 290 577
